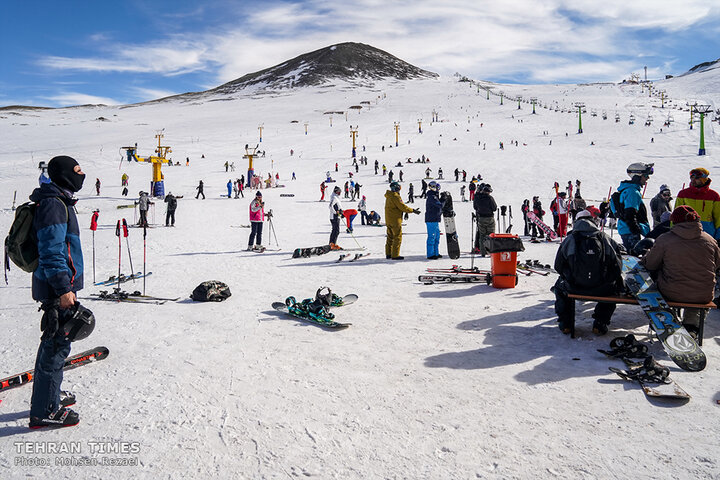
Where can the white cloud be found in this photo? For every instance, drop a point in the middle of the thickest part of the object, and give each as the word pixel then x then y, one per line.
pixel 73 98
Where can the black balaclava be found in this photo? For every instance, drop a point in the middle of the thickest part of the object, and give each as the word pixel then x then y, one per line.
pixel 60 170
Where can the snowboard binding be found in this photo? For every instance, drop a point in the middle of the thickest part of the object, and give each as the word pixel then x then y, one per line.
pixel 309 309
pixel 649 372
pixel 324 296
pixel 626 347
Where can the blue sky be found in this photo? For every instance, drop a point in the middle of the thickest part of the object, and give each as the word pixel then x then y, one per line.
pixel 70 52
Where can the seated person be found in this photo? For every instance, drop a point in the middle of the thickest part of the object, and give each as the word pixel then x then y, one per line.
pixel 683 263
pixel 373 218
pixel 588 263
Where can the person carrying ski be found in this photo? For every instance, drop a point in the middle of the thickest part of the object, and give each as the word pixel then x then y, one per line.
pixel 257 217
pixel 200 188
pixel 143 204
pixel 55 282
pixel 394 209
pixel 362 207
pixel 171 201
pixel 630 211
pixel 660 204
pixel 684 263
pixel 588 262
pixel 433 214
pixel 336 211
pixel 704 200
pixel 485 208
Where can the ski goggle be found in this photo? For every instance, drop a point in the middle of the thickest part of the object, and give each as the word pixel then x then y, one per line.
pixel 698 174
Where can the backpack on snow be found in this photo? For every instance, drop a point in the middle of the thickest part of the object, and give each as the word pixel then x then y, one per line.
pixel 588 268
pixel 211 291
pixel 21 241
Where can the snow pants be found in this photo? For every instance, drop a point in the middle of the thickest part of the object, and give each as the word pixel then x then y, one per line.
pixel 255 233
pixel 335 222
pixel 394 239
pixel 562 224
pixel 364 218
pixel 49 373
pixel 485 226
pixel 433 239
pixel 170 218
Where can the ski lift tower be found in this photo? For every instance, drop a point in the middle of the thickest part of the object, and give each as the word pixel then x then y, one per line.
pixel 419 125
pixel 702 110
pixel 533 100
pixel 579 106
pixel 691 104
pixel 501 97
pixel 397 129
pixel 250 154
pixel 353 134
pixel 519 99
pixel 158 183
pixel 662 98
pixel 260 127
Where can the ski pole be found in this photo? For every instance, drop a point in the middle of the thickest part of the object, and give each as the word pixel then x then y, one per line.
pixel 144 254
pixel 125 233
pixel 93 227
pixel 117 233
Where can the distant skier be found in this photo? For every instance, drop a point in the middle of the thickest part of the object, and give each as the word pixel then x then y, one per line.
pixel 411 194
pixel 171 201
pixel 229 188
pixel 97 186
pixel 323 187
pixel 362 207
pixel 144 204
pixel 257 217
pixel 423 188
pixel 200 188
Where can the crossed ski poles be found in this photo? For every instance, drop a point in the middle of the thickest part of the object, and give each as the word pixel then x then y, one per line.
pixel 125 234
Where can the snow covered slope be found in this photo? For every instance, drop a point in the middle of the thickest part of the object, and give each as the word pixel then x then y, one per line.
pixel 448 381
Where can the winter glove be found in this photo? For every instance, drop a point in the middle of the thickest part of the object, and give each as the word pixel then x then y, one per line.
pixel 50 322
pixel 416 211
pixel 406 216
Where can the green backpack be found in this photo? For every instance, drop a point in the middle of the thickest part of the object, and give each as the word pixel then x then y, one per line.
pixel 21 242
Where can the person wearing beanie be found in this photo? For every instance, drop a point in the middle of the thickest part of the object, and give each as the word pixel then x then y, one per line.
pixel 662 227
pixel 336 211
pixel 257 217
pixel 660 204
pixel 144 205
pixel 55 282
pixel 683 263
pixel 485 208
pixel 588 262
pixel 631 214
pixel 394 209
pixel 704 200
pixel 433 215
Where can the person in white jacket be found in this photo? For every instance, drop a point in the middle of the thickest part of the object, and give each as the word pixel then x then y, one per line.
pixel 336 212
pixel 362 207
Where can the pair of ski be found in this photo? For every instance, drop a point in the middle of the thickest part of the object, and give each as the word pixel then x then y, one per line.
pixel 357 256
pixel 118 295
pixel 642 368
pixel 455 274
pixel 84 358
pixel 113 280
pixel 321 250
pixel 323 321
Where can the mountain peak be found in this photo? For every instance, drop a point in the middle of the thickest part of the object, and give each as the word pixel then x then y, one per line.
pixel 355 63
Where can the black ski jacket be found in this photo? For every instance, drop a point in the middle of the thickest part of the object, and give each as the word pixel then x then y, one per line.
pixel 484 205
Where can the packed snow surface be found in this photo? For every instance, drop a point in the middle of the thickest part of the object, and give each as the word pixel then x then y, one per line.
pixel 430 381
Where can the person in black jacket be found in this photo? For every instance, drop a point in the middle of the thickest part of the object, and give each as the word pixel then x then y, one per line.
pixel 171 201
pixel 588 262
pixel 433 214
pixel 485 208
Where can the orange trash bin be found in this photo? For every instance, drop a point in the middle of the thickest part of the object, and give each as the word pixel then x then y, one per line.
pixel 504 265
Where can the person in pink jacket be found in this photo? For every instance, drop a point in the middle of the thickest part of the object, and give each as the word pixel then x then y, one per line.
pixel 257 217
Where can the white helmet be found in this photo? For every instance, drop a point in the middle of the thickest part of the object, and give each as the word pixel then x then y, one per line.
pixel 639 168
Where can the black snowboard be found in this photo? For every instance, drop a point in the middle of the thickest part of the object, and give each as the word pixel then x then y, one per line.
pixel 448 213
pixel 309 252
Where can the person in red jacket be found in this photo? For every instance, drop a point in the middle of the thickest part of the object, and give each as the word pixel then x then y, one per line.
pixel 704 200
pixel 349 214
pixel 322 191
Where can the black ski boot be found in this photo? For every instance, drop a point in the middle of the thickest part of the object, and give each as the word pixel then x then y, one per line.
pixel 62 417
pixel 67 399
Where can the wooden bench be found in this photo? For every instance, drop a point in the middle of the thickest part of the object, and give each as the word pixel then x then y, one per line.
pixel 633 301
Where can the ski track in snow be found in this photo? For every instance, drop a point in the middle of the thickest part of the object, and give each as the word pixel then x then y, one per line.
pixel 430 381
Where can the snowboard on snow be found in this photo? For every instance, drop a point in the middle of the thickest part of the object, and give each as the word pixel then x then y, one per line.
pixel 668 389
pixel 677 342
pixel 90 356
pixel 448 213
pixel 549 232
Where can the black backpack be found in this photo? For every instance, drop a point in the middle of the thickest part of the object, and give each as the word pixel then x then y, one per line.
pixel 588 268
pixel 21 241
pixel 211 291
pixel 617 207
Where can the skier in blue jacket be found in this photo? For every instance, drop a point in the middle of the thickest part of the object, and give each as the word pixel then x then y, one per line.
pixel 633 220
pixel 433 213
